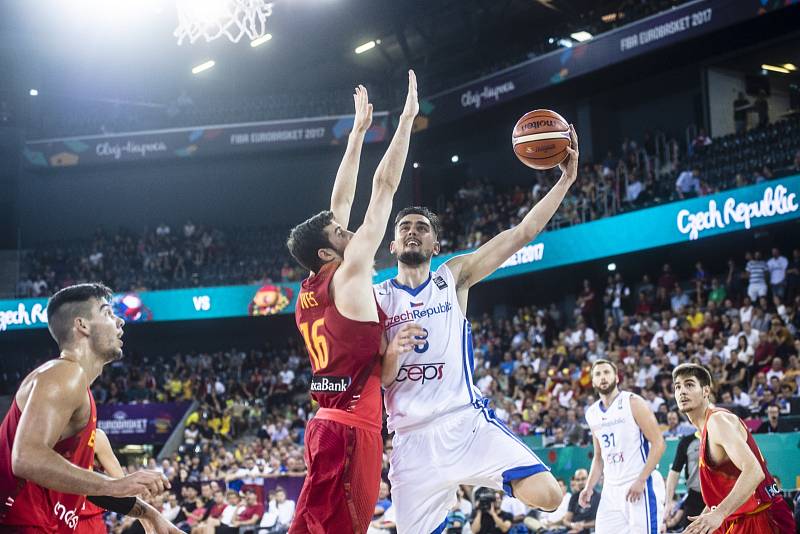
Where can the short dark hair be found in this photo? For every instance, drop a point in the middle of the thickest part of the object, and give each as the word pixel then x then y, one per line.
pixel 67 304
pixel 601 361
pixel 436 224
pixel 307 238
pixel 694 370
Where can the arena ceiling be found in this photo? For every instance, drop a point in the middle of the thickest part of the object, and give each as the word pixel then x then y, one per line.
pixel 100 48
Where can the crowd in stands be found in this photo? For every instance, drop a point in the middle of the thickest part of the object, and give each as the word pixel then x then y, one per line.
pixel 246 434
pixel 160 258
pixel 195 255
pixel 626 181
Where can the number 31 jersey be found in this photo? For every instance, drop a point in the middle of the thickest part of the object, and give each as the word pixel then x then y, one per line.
pixel 435 378
pixel 345 354
pixel 623 446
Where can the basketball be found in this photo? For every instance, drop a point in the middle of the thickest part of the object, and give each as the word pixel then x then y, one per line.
pixel 540 139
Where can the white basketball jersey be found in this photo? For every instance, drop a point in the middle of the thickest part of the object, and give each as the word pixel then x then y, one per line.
pixel 435 378
pixel 622 444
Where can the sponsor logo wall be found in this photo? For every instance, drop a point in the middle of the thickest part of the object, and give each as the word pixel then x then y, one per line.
pixel 669 224
pixel 198 141
pixel 140 423
pixel 676 25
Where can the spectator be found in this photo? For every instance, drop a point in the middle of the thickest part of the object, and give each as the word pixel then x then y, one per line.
pixel 279 514
pixel 761 107
pixel 740 108
pixel 677 428
pixel 251 514
pixel 757 281
pixel 774 423
pixel 488 517
pixel 717 293
pixel 777 266
pixel 679 300
pixel 578 519
pixel 688 183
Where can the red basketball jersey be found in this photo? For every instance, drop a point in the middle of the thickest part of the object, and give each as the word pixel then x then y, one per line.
pixel 716 481
pixel 25 504
pixel 345 355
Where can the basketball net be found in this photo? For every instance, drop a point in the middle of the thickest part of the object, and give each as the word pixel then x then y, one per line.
pixel 212 19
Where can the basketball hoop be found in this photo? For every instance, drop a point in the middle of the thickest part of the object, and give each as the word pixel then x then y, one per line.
pixel 212 19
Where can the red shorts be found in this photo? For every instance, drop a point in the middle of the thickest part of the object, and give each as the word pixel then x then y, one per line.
pixel 93 524
pixel 777 519
pixel 344 474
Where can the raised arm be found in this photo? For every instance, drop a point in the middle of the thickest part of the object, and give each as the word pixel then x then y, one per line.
pixel 728 433
pixel 646 420
pixel 105 455
pixel 344 187
pixel 55 395
pixel 353 279
pixel 469 269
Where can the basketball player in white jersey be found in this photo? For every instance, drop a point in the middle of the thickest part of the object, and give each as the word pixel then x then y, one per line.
pixel 445 432
pixel 627 448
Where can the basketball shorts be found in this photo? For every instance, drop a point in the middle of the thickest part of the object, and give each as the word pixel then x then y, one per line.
pixel 344 474
pixel 469 446
pixel 644 516
pixel 777 519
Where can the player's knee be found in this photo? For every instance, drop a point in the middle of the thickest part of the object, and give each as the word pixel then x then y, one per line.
pixel 539 491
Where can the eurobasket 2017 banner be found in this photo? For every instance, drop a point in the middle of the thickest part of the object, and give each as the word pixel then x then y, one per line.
pixel 678 24
pixel 140 423
pixel 197 141
pixel 668 224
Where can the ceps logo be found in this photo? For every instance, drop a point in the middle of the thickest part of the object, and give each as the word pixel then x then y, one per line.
pixel 421 372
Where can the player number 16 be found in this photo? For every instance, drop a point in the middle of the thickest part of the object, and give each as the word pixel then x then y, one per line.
pixel 316 344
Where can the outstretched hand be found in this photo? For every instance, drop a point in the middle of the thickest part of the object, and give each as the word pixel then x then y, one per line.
pixel 706 523
pixel 569 167
pixel 407 337
pixel 363 119
pixel 411 107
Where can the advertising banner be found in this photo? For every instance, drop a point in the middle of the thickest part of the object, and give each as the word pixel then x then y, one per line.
pixel 140 423
pixel 673 26
pixel 198 141
pixel 668 224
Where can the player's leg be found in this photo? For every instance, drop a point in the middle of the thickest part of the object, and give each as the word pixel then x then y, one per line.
pixel 323 506
pixel 363 477
pixel 421 493
pixel 610 518
pixel 496 458
pixel 646 514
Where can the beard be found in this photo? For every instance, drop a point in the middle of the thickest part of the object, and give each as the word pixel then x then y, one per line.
pixel 413 258
pixel 606 390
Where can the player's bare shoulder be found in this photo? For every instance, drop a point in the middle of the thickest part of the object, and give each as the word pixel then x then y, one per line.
pixel 725 423
pixel 62 378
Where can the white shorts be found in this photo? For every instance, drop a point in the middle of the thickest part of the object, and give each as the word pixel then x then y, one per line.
pixel 616 514
pixel 467 447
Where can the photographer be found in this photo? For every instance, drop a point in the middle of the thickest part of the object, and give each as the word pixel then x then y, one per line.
pixel 488 518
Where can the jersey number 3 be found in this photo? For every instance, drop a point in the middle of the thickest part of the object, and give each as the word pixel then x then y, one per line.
pixel 316 344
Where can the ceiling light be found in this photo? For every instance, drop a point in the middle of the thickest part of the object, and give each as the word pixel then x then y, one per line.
pixel 203 66
pixel 789 66
pixel 773 68
pixel 609 17
pixel 566 43
pixel 261 40
pixel 612 267
pixel 454 158
pixel 416 165
pixel 366 46
pixel 34 92
pixel 581 36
